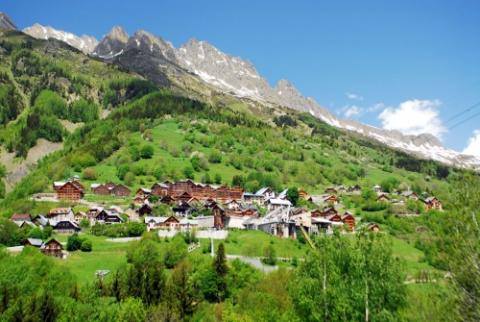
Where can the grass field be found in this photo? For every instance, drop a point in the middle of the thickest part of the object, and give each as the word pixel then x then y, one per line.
pixel 253 242
pixel 110 255
pixel 412 257
pixel 105 255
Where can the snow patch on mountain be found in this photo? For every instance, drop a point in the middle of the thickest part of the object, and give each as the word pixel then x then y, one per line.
pixel 83 43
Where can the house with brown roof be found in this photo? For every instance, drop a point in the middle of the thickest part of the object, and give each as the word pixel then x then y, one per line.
pixel 58 214
pixel 52 248
pixel 71 190
pixel 349 220
pixel 433 203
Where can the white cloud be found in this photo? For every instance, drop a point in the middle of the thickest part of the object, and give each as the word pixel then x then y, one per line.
pixel 353 96
pixel 414 117
pixel 351 110
pixel 473 147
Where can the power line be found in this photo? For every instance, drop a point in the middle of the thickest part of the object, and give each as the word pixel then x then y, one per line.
pixel 468 109
pixel 464 120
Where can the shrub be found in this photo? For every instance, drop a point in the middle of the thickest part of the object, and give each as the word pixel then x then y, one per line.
pixel 215 156
pixel 89 174
pixel 86 246
pixel 74 242
pixel 269 256
pixel 146 152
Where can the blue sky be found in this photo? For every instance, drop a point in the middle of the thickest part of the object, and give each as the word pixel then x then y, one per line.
pixel 411 65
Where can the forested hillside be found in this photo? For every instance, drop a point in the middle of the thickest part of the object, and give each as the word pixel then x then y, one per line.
pixel 116 126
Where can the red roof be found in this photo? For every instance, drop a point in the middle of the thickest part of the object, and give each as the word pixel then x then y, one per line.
pixel 21 217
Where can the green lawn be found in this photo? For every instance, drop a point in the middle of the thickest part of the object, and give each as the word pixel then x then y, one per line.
pixel 253 242
pixel 105 255
pixel 412 258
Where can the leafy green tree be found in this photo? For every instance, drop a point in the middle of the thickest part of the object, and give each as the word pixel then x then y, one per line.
pixel 293 195
pixel 182 288
pixel 83 111
pixel 175 251
pixel 221 270
pixel 218 178
pixel 146 152
pixel 356 280
pixel 189 172
pixel 269 256
pixel 389 184
pixel 74 242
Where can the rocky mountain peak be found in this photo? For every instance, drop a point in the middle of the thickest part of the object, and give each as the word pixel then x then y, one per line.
pixel 152 44
pixel 6 22
pixel 112 44
pixel 83 43
pixel 118 33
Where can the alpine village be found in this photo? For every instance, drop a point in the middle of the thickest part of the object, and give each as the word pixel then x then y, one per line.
pixel 135 188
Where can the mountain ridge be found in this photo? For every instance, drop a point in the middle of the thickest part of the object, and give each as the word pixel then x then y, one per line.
pixel 238 77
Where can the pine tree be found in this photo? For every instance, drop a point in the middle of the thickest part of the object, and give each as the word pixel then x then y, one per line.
pixel 221 270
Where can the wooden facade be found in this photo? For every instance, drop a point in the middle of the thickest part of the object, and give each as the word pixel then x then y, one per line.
pixel 71 190
pixel 181 189
pixel 349 220
pixel 121 191
pixel 52 248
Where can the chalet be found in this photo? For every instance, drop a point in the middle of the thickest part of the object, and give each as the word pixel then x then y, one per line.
pixel 330 199
pixel 108 217
pixel 331 191
pixel 145 209
pixel 377 188
pixel 70 190
pixel 182 208
pixel 341 189
pixel 142 194
pixel 160 189
pixel 252 198
pixel 52 248
pixel 266 193
pixel 304 195
pixel 120 190
pixel 382 197
pixel 334 218
pixel 349 220
pixel 410 195
pixel 100 189
pixel 58 214
pixel 432 203
pixel 168 223
pixel 274 203
pixel 33 242
pixel 65 227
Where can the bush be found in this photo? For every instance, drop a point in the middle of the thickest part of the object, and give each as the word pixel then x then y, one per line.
pixel 89 174
pixel 86 246
pixel 146 152
pixel 215 156
pixel 269 257
pixel 74 242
